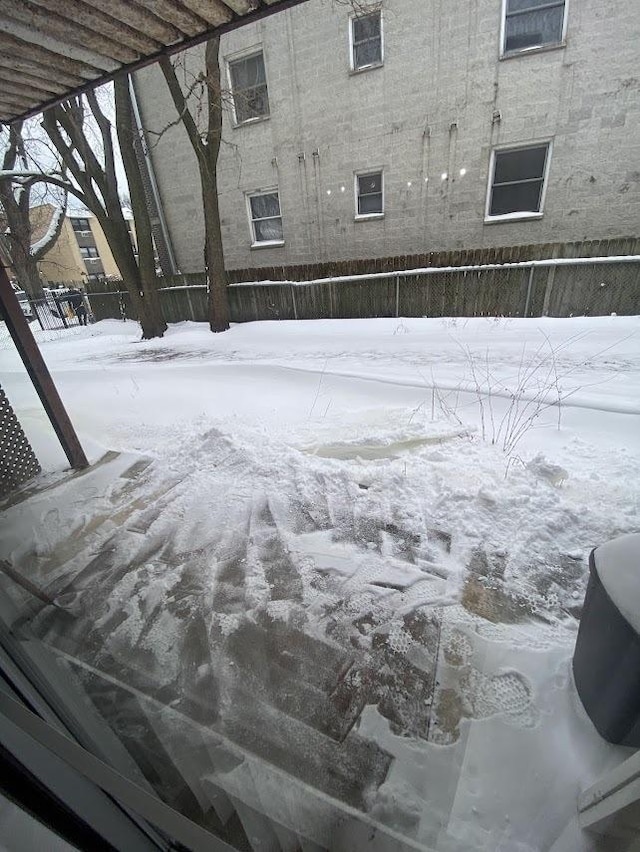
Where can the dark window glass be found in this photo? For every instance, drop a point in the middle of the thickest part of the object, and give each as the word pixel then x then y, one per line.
pixel 369 183
pixel 268 229
pixel 518 198
pixel 265 217
pixel 367 26
pixel 528 24
pixel 370 193
pixel 367 40
pixel 80 225
pixel 522 164
pixel 518 180
pixel 263 206
pixel 249 86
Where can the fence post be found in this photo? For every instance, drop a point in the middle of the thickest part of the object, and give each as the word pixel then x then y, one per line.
pixel 548 291
pixel 56 302
pixel 527 301
pixel 292 288
pixel 397 296
pixel 193 316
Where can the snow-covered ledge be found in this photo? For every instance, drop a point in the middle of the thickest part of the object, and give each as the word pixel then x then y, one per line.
pixel 267 244
pixel 511 217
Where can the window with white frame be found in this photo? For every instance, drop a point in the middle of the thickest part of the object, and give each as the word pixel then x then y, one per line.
pixel 366 40
pixel 248 82
pixel 532 23
pixel 265 218
pixel 369 194
pixel 89 252
pixel 518 177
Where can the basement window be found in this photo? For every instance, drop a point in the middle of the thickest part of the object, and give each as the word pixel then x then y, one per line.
pixel 518 179
pixel 370 195
pixel 366 41
pixel 265 219
pixel 248 83
pixel 532 24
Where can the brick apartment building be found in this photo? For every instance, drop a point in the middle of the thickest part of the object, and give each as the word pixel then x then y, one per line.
pixel 411 126
pixel 81 252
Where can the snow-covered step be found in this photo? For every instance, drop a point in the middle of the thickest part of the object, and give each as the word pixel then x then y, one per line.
pixel 344 770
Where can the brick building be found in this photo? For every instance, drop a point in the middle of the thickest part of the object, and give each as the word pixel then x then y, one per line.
pixel 81 252
pixel 411 126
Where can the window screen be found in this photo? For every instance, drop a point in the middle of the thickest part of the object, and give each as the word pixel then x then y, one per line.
pixel 532 23
pixel 249 87
pixel 369 193
pixel 518 179
pixel 266 221
pixel 366 39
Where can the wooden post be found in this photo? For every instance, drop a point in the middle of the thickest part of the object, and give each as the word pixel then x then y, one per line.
pixel 38 373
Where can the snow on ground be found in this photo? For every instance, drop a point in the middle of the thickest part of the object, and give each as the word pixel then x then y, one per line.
pixel 408 465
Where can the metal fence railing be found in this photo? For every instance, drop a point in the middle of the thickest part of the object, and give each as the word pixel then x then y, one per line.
pixel 55 315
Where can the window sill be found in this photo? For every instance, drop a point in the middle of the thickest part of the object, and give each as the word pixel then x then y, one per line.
pixel 511 217
pixel 364 217
pixel 366 68
pixel 257 120
pixel 526 51
pixel 267 244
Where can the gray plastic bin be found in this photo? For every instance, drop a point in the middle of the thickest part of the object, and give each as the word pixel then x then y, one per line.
pixel 606 660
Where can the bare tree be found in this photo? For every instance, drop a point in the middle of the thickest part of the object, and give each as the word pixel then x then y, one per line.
pixel 95 183
pixel 206 147
pixel 16 200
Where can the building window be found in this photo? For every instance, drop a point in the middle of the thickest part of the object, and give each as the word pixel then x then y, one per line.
pixel 81 225
pixel 89 252
pixel 366 41
pixel 533 23
pixel 518 178
pixel 249 88
pixel 265 218
pixel 369 194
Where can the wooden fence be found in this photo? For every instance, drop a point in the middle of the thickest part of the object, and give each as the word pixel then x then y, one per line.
pixel 490 283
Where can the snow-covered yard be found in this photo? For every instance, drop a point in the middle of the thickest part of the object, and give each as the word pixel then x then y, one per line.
pixel 365 539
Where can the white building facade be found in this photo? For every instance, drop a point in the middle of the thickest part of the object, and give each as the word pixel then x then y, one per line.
pixel 411 126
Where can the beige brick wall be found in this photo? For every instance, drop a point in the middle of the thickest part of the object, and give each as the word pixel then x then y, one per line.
pixel 428 110
pixel 64 261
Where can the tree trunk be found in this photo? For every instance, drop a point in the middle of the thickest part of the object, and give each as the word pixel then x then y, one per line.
pixel 150 312
pixel 214 256
pixel 98 189
pixel 141 287
pixel 206 152
pixel 216 274
pixel 25 268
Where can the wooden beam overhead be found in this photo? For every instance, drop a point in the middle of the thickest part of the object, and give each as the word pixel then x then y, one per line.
pixel 63 81
pixel 54 49
pixel 19 87
pixel 78 13
pixel 64 36
pixel 176 14
pixel 214 12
